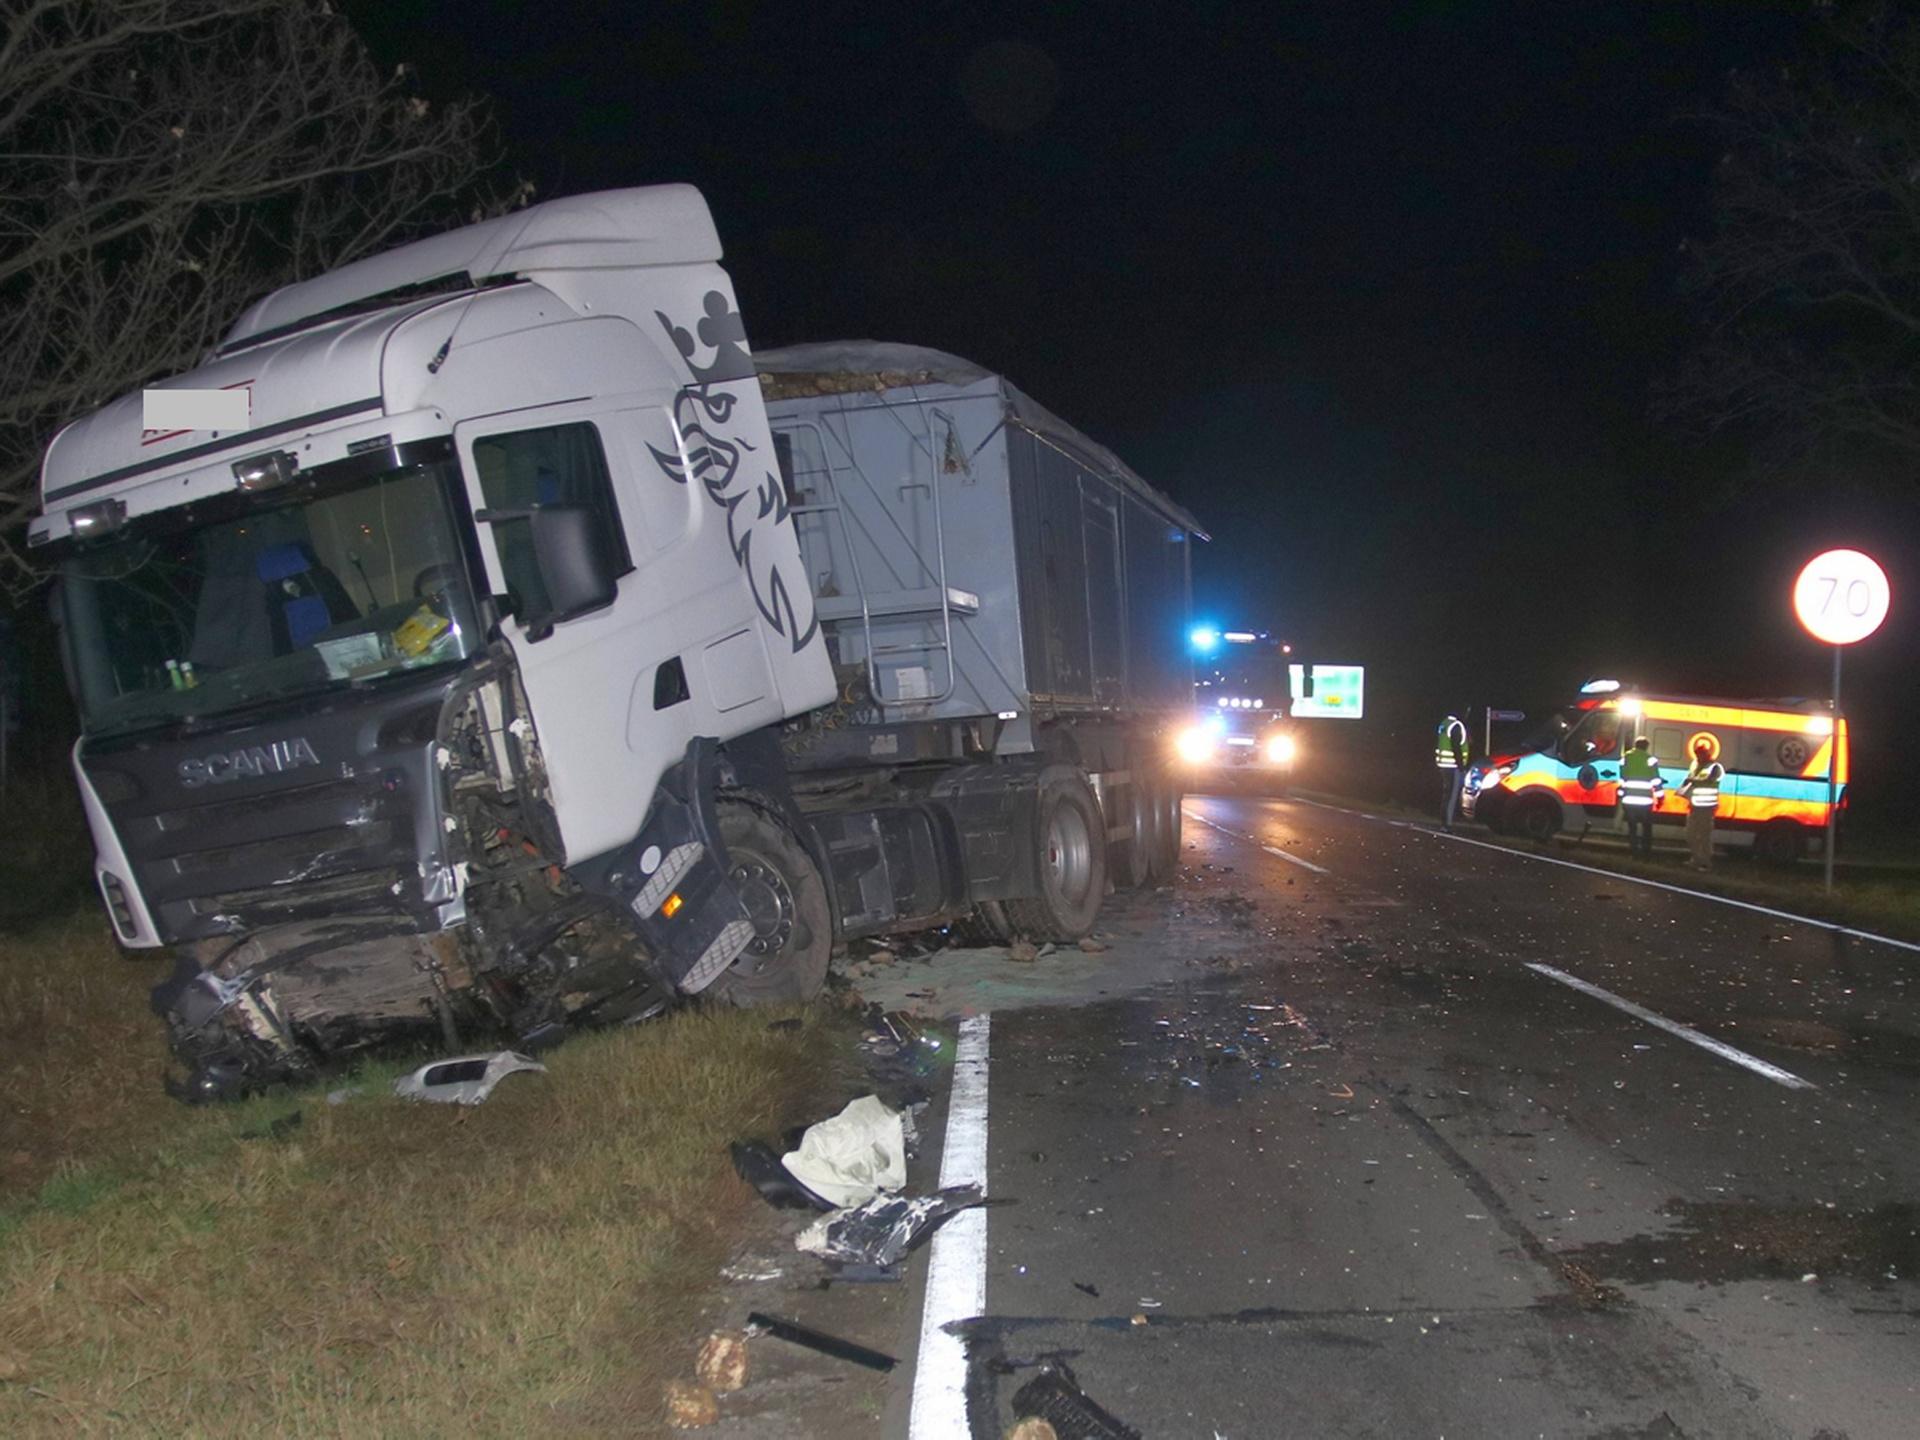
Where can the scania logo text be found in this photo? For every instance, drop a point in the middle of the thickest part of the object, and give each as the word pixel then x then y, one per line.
pixel 248 763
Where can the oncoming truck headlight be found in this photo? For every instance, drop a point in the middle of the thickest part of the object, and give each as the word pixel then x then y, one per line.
pixel 1194 745
pixel 1281 749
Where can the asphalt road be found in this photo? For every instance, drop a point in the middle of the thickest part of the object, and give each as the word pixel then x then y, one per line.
pixel 1332 1155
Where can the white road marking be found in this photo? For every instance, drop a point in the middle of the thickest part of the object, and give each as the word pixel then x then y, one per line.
pixel 1674 1027
pixel 957 1262
pixel 1828 925
pixel 1280 854
pixel 1270 849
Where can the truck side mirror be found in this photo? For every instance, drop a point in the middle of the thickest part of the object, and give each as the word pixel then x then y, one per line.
pixel 574 567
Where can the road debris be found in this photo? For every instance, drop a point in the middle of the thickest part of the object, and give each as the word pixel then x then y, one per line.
pixel 465 1080
pixel 1055 1396
pixel 722 1362
pixel 758 1324
pixel 690 1406
pixel 883 1230
pixel 852 1157
pixel 1032 1429
pixel 748 1272
pixel 755 1162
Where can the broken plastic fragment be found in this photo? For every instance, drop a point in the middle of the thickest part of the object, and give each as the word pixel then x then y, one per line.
pixel 815 1340
pixel 884 1229
pixel 466 1080
pixel 1055 1396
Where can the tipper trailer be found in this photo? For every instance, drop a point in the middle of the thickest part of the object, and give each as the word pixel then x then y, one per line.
pixel 509 672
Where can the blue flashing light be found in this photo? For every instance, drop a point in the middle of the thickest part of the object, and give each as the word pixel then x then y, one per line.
pixel 1216 723
pixel 1204 638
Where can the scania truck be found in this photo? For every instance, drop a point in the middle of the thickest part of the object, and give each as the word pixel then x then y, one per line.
pixel 527 655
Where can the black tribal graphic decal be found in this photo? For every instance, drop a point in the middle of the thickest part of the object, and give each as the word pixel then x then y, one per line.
pixel 714 450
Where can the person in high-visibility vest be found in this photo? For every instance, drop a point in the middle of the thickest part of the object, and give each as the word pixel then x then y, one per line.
pixel 1450 756
pixel 1640 786
pixel 1702 791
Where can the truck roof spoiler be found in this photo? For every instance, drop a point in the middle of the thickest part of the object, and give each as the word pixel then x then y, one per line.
pixel 607 230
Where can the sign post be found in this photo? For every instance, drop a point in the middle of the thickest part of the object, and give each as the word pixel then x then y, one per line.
pixel 1841 598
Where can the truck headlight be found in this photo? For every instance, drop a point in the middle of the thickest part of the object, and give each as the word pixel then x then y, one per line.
pixel 1281 749
pixel 1194 745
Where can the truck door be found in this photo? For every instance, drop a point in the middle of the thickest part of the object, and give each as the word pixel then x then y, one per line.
pixel 617 693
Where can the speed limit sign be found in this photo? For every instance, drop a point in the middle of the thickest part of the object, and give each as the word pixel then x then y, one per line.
pixel 1841 596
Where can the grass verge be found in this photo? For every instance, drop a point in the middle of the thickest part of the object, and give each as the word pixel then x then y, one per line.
pixel 374 1267
pixel 1870 891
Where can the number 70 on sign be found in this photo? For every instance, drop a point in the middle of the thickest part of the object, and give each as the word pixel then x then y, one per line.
pixel 1841 596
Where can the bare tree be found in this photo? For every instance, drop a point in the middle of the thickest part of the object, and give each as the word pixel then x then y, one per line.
pixel 1810 283
pixel 164 162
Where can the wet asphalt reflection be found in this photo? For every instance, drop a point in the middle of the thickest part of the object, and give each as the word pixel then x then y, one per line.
pixel 1328 1159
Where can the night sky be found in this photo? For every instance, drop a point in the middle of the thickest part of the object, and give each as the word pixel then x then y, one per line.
pixel 1382 292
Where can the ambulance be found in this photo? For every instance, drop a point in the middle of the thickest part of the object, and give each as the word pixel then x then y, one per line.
pixel 1783 759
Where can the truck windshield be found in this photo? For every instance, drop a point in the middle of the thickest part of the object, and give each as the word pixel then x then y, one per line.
pixel 1245 674
pixel 349 575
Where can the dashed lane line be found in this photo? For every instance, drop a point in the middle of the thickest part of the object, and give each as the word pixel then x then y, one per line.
pixel 1272 850
pixel 1675 1028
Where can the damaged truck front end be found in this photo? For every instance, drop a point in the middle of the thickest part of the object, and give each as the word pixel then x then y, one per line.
pixel 329 802
pixel 404 707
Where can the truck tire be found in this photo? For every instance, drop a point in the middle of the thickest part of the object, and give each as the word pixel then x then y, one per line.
pixel 1131 859
pixel 786 961
pixel 1537 817
pixel 1166 798
pixel 1073 862
pixel 1781 842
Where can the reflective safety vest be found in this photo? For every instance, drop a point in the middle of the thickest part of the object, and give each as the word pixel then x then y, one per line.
pixel 1450 744
pixel 1639 779
pixel 1702 786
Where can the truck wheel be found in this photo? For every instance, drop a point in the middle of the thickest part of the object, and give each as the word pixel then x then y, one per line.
pixel 1537 817
pixel 1781 842
pixel 1131 859
pixel 1073 863
pixel 786 961
pixel 1166 804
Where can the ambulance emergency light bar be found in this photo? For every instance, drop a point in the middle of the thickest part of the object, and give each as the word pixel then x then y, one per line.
pixel 1327 692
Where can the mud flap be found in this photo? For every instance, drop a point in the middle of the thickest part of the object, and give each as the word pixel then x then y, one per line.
pixel 672 878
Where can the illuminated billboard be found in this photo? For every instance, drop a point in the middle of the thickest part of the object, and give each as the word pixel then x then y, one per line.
pixel 1338 691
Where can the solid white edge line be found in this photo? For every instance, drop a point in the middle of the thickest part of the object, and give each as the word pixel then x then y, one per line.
pixel 1827 925
pixel 1675 1028
pixel 957 1259
pixel 1270 849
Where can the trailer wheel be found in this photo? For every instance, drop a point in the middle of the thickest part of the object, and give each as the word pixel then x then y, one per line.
pixel 1131 859
pixel 1537 817
pixel 1073 863
pixel 786 961
pixel 1165 845
pixel 1781 842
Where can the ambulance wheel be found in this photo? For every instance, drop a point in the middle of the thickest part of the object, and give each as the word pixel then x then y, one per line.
pixel 1073 862
pixel 1131 859
pixel 786 961
pixel 1536 817
pixel 1781 842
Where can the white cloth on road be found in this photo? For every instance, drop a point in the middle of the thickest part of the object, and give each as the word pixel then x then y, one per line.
pixel 852 1157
